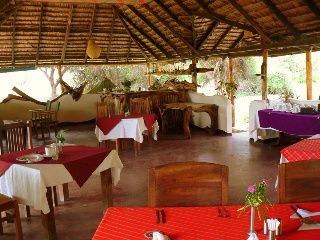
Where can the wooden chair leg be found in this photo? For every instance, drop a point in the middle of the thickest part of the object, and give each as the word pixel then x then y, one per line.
pixel 55 196
pixel 17 221
pixel 1 227
pixel 28 212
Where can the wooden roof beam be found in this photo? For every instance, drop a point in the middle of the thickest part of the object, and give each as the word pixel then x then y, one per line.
pixel 172 15
pixel 184 7
pixel 13 39
pixel 129 49
pixel 138 29
pixel 253 23
pixel 313 7
pixel 220 18
pixel 111 34
pixel 207 34
pixel 65 44
pixel 150 25
pixel 90 31
pixel 221 38
pixel 273 8
pixel 39 33
pixel 238 40
pixel 135 39
pixel 173 31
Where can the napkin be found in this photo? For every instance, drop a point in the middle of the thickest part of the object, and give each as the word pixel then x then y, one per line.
pixel 304 213
pixel 253 236
pixel 305 226
pixel 159 236
pixel 317 136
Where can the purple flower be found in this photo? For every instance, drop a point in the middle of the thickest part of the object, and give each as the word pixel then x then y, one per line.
pixel 251 189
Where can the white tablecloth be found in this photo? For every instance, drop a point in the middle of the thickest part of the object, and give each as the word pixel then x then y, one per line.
pixel 28 182
pixel 127 128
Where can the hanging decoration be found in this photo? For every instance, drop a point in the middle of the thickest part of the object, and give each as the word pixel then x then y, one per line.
pixel 93 50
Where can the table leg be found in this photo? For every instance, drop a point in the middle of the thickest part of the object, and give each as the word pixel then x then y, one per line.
pixel 186 122
pixel 106 188
pixel 48 220
pixel 63 192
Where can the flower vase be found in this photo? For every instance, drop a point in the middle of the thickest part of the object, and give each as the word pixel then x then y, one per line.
pixel 252 215
pixel 60 147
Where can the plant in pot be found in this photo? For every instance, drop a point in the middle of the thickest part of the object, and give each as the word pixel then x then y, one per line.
pixel 127 85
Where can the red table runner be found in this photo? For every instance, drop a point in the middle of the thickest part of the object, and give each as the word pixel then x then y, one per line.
pixel 106 124
pixel 80 161
pixel 198 223
pixel 304 150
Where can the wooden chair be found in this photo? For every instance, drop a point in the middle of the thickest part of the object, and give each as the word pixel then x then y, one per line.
pixel 299 181
pixel 17 137
pixel 6 204
pixel 140 105
pixel 188 184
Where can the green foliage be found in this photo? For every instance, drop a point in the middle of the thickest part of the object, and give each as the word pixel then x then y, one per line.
pixel 227 89
pixel 60 136
pixel 277 82
pixel 105 84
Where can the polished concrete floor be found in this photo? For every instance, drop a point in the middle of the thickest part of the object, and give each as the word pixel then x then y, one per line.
pixel 78 218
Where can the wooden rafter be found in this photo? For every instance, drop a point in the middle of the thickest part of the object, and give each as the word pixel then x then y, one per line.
pixel 39 33
pixel 129 49
pixel 313 7
pixel 91 29
pixel 194 32
pixel 111 33
pixel 221 38
pixel 207 34
pixel 173 31
pixel 138 29
pixel 220 18
pixel 13 39
pixel 184 7
pixel 172 15
pixel 238 40
pixel 134 38
pixel 273 8
pixel 253 23
pixel 150 25
pixel 66 37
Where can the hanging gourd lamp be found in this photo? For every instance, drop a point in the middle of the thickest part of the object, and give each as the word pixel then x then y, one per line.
pixel 93 50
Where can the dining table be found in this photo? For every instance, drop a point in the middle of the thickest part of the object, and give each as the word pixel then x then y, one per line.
pixel 31 182
pixel 127 126
pixel 203 223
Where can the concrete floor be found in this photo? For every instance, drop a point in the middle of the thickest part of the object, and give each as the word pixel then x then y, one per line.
pixel 78 218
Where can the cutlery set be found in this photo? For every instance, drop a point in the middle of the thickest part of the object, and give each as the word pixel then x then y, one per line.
pixel 160 216
pixel 306 220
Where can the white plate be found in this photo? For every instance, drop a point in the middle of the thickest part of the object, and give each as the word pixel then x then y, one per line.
pixel 34 157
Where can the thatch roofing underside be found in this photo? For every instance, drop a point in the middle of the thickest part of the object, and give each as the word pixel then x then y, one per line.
pixel 48 32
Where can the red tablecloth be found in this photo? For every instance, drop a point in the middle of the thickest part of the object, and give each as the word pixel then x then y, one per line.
pixel 304 150
pixel 80 161
pixel 198 223
pixel 106 124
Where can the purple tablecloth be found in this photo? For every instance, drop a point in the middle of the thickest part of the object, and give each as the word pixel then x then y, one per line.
pixel 290 123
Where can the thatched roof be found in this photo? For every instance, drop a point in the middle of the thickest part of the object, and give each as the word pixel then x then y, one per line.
pixel 51 32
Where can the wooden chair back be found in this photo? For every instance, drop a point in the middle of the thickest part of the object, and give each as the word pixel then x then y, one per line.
pixel 17 136
pixel 188 184
pixel 299 181
pixel 105 109
pixel 140 105
pixel 168 97
pixel 7 203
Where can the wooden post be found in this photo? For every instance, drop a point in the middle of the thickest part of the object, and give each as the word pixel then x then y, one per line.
pixel 309 74
pixel 231 80
pixel 194 72
pixel 264 76
pixel 149 76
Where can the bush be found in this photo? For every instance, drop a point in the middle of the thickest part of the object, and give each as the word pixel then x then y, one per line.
pixel 277 82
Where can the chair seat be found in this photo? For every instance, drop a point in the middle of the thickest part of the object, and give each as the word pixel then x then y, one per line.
pixel 4 199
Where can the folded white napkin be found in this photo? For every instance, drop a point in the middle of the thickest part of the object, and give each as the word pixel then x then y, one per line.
pixel 253 236
pixel 315 136
pixel 305 226
pixel 159 236
pixel 304 213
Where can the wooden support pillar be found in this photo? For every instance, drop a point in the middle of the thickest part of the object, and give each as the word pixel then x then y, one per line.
pixel 194 73
pixel 309 74
pixel 149 75
pixel 264 74
pixel 231 80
